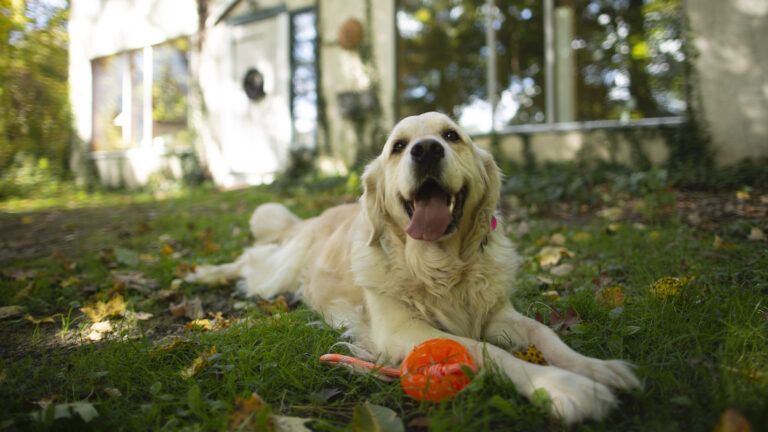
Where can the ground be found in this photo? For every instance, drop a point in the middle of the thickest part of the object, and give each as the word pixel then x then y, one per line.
pixel 97 326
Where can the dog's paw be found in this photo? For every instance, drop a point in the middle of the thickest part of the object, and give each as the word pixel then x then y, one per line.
pixel 613 373
pixel 573 397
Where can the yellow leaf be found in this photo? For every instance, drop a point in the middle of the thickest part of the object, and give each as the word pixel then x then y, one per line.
pixel 100 311
pixel 41 320
pixel 166 249
pixel 756 234
pixel 718 243
pixel 611 213
pixel 550 255
pixel 669 286
pixel 198 364
pixel 742 195
pixel 277 305
pixel 245 411
pixel 557 239
pixel 531 355
pixel 199 324
pixel 732 421
pixel 551 295
pixel 582 236
pixel 610 296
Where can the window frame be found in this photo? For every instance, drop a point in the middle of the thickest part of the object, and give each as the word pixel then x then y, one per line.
pixel 292 67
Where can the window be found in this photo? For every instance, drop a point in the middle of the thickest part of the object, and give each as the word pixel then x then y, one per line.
pixel 497 64
pixel 140 98
pixel 304 78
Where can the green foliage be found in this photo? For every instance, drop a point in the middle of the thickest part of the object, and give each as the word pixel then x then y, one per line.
pixel 35 116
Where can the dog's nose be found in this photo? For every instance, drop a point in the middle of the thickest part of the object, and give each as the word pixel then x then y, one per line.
pixel 427 152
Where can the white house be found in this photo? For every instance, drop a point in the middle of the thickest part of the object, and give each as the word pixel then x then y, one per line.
pixel 244 86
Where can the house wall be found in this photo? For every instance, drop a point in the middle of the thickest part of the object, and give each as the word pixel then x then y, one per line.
pixel 731 74
pixel 104 27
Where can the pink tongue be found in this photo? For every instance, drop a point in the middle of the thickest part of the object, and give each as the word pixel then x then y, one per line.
pixel 431 218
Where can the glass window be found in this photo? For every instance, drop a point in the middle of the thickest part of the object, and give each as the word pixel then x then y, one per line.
pixel 117 101
pixel 170 90
pixel 628 60
pixel 304 78
pixel 612 59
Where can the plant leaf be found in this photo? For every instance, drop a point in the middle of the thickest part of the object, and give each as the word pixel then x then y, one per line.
pixel 368 417
pixel 100 311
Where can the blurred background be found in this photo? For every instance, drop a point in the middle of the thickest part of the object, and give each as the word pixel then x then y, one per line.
pixel 163 94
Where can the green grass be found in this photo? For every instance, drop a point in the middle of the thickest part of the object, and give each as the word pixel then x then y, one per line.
pixel 698 353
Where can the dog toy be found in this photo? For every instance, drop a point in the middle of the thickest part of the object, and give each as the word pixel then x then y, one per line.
pixel 434 370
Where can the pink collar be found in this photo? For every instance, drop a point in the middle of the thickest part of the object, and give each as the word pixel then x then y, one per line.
pixel 493 223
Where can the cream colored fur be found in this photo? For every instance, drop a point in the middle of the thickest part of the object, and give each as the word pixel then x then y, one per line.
pixel 356 266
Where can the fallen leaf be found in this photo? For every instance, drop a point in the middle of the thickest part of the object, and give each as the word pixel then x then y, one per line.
pixel 550 255
pixel 99 311
pixel 245 411
pixel 42 320
pixel 199 324
pixel 368 417
pixel 611 213
pixel 138 316
pixel 551 295
pixel 610 296
pixel 126 257
pixel 582 236
pixel 742 195
pixel 669 286
pixel 756 234
pixel 718 243
pixel 102 327
pixel 134 280
pixel 694 219
pixel 639 226
pixel 531 355
pixel 557 239
pixel 26 220
pixel 190 308
pixel 199 363
pixel 561 270
pixel 545 280
pixel 210 246
pixel 277 305
pixel 613 227
pixel 289 424
pixel 563 321
pixel 85 410
pixel 166 249
pixel 113 392
pixel 732 421
pixel 11 311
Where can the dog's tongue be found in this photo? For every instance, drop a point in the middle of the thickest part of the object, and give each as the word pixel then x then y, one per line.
pixel 431 217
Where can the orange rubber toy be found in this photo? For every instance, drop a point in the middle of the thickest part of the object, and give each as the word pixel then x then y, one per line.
pixel 432 371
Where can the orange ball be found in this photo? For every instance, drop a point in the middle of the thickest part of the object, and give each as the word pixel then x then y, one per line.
pixel 433 370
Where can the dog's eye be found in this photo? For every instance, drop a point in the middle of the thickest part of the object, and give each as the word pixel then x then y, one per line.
pixel 399 145
pixel 451 135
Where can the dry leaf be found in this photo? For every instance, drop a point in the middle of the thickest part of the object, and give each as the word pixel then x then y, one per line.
pixel 742 195
pixel 113 392
pixel 611 213
pixel 166 250
pixel 551 295
pixel 610 296
pixel 718 243
pixel 531 355
pixel 245 410
pixel 11 311
pixel 669 286
pixel 190 308
pixel 277 305
pixel 134 280
pixel 613 227
pixel 561 270
pixel 41 320
pixel 369 417
pixel 557 239
pixel 198 364
pixel 199 324
pixel 289 424
pixel 100 310
pixel 732 421
pixel 545 280
pixel 756 234
pixel 582 236
pixel 550 255
pixel 562 321
pixel 210 246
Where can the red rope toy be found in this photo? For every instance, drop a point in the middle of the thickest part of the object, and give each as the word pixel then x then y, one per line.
pixel 432 371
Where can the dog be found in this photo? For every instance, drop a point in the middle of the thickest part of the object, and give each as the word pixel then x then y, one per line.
pixel 421 257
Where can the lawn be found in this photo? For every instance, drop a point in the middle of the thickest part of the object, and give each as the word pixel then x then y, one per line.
pixel 699 341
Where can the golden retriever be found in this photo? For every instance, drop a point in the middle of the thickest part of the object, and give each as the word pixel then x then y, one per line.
pixel 419 258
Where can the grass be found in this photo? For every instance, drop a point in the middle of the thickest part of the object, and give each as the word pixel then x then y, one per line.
pixel 699 352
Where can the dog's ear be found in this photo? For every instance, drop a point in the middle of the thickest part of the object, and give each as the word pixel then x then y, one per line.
pixel 373 199
pixel 490 176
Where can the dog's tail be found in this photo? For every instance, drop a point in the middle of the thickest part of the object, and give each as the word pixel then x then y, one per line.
pixel 270 267
pixel 272 223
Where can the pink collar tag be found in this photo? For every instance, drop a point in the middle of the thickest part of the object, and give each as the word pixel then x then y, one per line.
pixel 493 223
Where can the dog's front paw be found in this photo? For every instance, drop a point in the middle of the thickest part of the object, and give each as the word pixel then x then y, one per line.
pixel 573 397
pixel 614 373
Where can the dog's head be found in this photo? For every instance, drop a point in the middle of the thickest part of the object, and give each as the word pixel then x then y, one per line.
pixel 431 182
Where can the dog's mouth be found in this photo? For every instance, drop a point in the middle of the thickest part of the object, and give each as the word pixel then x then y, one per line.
pixel 434 211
